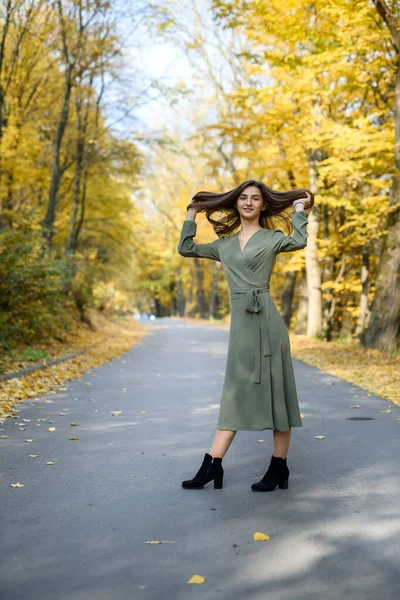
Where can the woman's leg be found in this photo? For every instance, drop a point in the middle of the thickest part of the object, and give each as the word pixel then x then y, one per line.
pixel 223 439
pixel 281 443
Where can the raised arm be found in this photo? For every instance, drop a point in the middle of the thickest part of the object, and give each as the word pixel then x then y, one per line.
pixel 296 241
pixel 187 247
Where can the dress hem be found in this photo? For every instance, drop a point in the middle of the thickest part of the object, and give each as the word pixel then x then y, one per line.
pixel 263 429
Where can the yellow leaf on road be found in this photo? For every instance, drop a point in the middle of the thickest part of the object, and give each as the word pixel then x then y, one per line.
pixel 50 463
pixel 17 484
pixel 73 438
pixel 116 412
pixel 259 536
pixel 3 437
pixel 260 440
pixel 29 441
pixel 34 455
pixel 319 437
pixel 196 579
pixel 160 542
pixel 51 429
pixel 355 406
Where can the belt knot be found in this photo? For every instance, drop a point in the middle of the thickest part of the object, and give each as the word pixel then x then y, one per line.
pixel 252 301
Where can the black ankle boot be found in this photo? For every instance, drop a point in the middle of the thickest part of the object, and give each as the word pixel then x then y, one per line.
pixel 277 474
pixel 211 469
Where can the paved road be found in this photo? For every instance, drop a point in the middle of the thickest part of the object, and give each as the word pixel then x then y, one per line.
pixel 76 530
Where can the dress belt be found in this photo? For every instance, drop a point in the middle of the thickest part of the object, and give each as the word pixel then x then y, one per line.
pixel 261 326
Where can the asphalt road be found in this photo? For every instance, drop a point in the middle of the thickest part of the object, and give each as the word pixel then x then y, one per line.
pixel 77 529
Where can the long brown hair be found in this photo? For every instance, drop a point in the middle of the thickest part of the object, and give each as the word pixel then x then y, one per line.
pixel 221 211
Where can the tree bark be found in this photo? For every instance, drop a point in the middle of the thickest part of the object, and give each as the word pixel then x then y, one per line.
pixel 200 298
pixel 314 320
pixel 364 310
pixel 383 330
pixel 302 309
pixel 214 289
pixel 287 297
pixel 56 172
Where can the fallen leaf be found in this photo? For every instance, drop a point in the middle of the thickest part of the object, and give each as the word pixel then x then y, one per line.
pixel 34 455
pixel 160 542
pixel 260 440
pixel 62 414
pixel 21 428
pixel 17 484
pixel 259 536
pixel 116 412
pixel 73 438
pixel 302 416
pixel 319 437
pixel 355 406
pixel 29 441
pixel 74 424
pixel 3 437
pixel 196 579
pixel 50 463
pixel 51 429
pixel 27 420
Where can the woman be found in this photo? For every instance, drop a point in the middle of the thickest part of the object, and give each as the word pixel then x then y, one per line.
pixel 259 389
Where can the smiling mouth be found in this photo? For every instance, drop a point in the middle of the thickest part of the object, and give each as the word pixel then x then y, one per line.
pixel 248 209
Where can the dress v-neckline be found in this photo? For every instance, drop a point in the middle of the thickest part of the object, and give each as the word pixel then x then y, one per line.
pixel 245 246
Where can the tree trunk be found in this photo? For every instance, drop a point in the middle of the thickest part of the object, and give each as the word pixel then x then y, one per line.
pixel 56 174
pixel 301 314
pixel 214 290
pixel 287 297
pixel 314 320
pixel 384 326
pixel 200 299
pixel 189 297
pixel 363 318
pixel 180 297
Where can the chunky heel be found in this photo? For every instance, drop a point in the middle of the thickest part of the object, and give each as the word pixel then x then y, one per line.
pixel 285 484
pixel 218 482
pixel 277 475
pixel 211 469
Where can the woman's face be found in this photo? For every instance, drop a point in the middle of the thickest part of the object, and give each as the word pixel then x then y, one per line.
pixel 250 204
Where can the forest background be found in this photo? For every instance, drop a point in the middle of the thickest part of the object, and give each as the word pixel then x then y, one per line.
pixel 113 114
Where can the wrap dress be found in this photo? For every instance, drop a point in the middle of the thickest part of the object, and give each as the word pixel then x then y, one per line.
pixel 259 390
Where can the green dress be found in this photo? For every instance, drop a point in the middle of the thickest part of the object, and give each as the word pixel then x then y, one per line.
pixel 259 390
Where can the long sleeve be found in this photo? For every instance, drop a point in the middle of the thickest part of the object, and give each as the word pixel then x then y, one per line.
pixel 187 247
pixel 296 241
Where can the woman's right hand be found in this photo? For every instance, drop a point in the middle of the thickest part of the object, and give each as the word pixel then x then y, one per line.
pixel 191 213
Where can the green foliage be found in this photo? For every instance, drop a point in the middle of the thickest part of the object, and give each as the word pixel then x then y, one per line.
pixel 32 304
